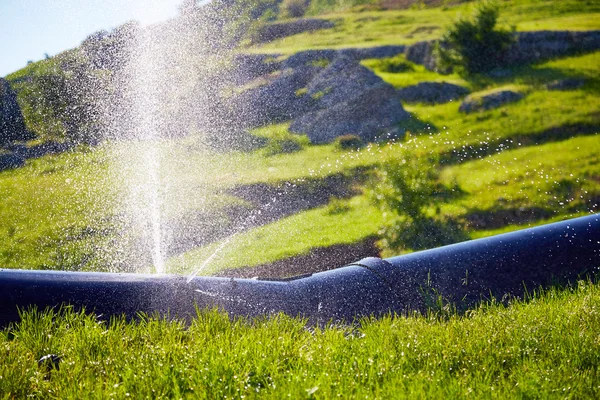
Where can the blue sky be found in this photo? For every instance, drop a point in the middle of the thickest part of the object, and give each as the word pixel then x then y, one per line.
pixel 31 28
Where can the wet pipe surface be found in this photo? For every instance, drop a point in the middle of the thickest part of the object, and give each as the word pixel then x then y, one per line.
pixel 462 274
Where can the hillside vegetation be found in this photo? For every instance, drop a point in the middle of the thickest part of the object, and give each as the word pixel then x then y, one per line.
pixel 257 199
pixel 525 163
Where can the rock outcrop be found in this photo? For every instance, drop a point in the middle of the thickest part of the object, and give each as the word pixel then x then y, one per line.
pixel 275 101
pixel 432 92
pixel 342 81
pixel 566 84
pixel 542 45
pixel 10 161
pixel 528 47
pixel 371 115
pixel 12 125
pixel 279 30
pixel 490 101
pixel 422 53
pixel 323 100
pixel 247 67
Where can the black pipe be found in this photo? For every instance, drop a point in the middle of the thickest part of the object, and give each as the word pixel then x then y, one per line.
pixel 462 274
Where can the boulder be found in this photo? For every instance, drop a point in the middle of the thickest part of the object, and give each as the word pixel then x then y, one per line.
pixel 432 92
pixel 10 161
pixel 341 81
pixel 274 102
pixel 422 53
pixel 566 84
pixel 308 57
pixel 12 124
pixel 490 101
pixel 43 149
pixel 372 114
pixel 247 67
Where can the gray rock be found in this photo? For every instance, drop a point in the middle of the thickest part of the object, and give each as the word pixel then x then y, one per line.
pixel 566 84
pixel 370 115
pixel 372 52
pixel 247 67
pixel 501 73
pixel 422 53
pixel 432 92
pixel 274 102
pixel 12 124
pixel 528 47
pixel 542 45
pixel 490 101
pixel 10 161
pixel 45 148
pixel 307 57
pixel 343 80
pixel 278 30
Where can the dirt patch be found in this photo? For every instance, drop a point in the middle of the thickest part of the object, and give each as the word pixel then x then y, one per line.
pixel 318 260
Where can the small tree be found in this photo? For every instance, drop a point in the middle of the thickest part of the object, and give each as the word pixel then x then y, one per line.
pixel 409 193
pixel 475 45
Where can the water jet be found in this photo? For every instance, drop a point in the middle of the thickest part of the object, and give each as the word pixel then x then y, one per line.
pixel 463 273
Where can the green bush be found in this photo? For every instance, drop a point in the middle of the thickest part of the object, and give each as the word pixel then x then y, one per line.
pixel 475 45
pixel 395 65
pixel 409 194
pixel 293 8
pixel 337 206
pixel 349 142
pixel 284 145
pixel 62 98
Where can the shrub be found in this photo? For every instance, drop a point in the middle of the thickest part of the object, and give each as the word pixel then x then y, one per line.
pixel 337 206
pixel 409 194
pixel 284 145
pixel 395 65
pixel 293 8
pixel 349 142
pixel 475 45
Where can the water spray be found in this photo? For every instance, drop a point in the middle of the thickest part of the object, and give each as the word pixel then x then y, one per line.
pixel 461 274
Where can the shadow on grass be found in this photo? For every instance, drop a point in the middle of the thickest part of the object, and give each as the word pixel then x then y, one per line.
pixel 519 140
pixel 415 126
pixel 532 76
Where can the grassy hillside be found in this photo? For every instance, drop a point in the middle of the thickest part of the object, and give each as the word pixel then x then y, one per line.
pixel 356 28
pixel 525 163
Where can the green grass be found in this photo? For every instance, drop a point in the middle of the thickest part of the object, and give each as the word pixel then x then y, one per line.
pixel 387 27
pixel 559 177
pixel 348 222
pixel 64 211
pixel 418 74
pixel 546 347
pixel 68 211
pixel 52 208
